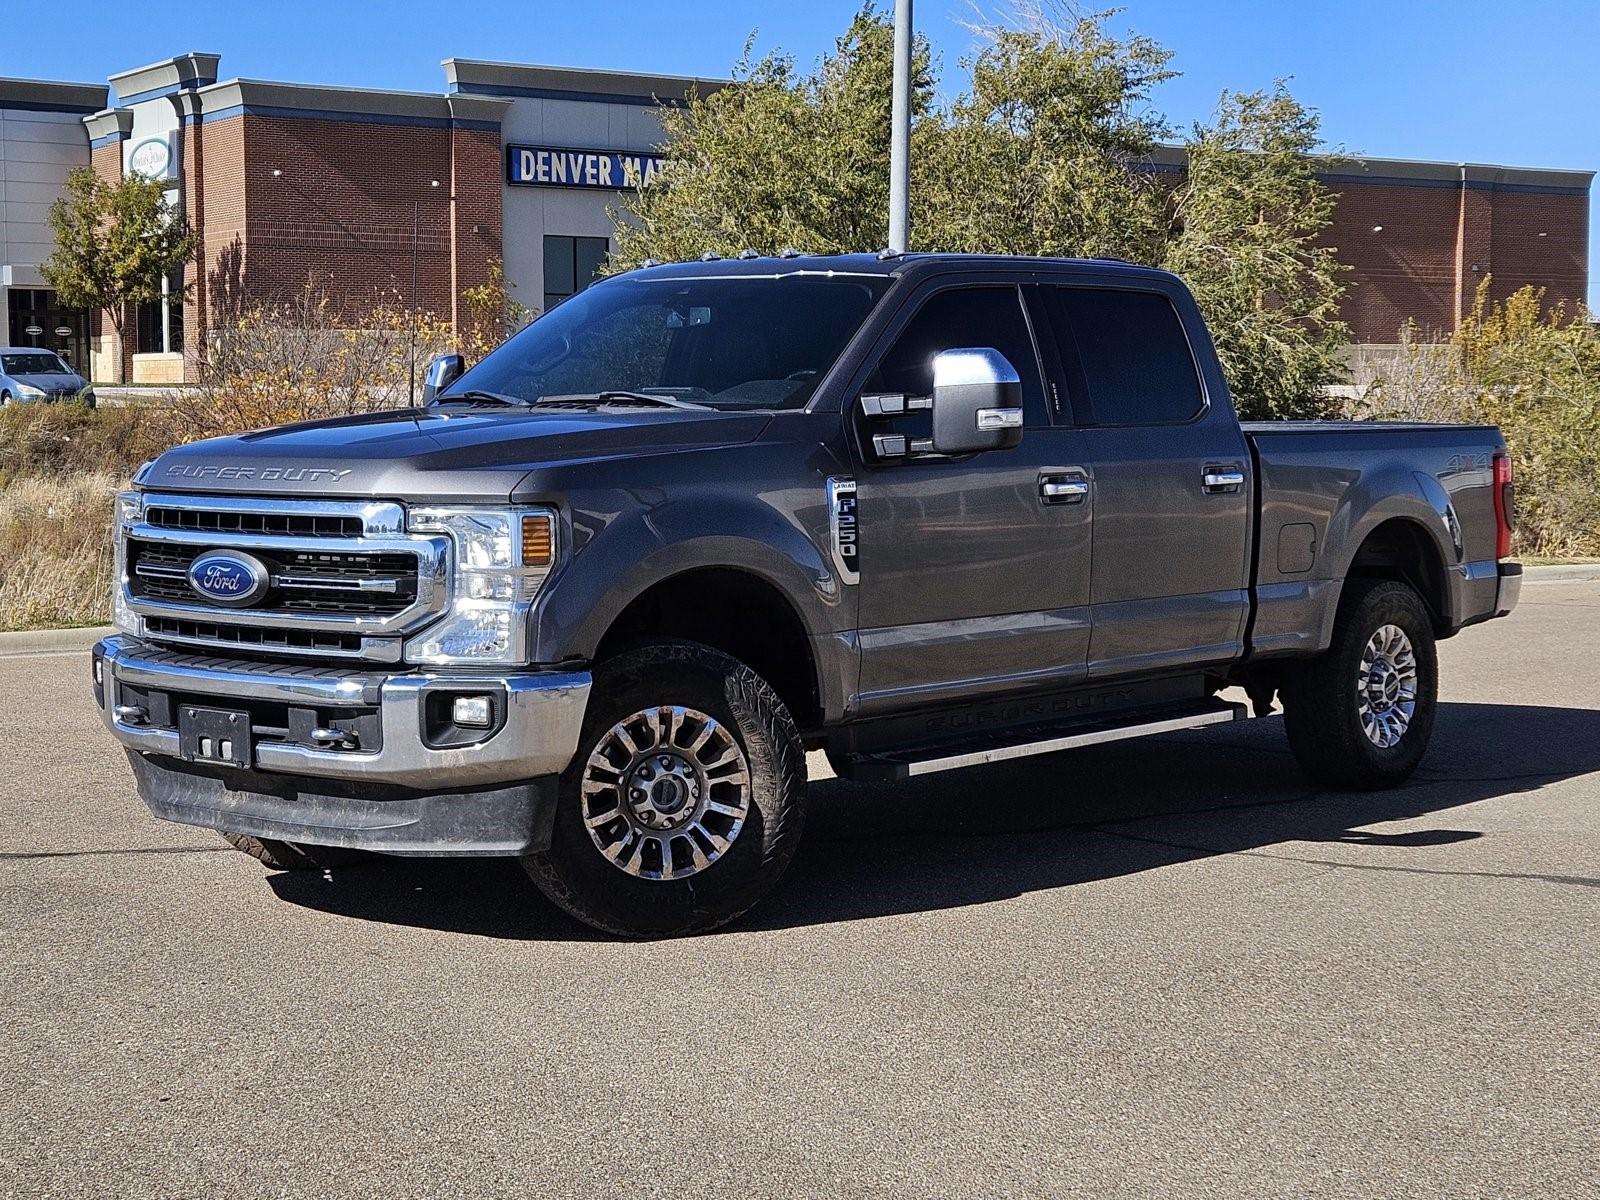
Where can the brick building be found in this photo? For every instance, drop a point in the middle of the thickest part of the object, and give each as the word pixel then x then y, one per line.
pixel 407 196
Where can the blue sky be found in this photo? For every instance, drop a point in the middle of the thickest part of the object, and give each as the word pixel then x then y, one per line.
pixel 1474 80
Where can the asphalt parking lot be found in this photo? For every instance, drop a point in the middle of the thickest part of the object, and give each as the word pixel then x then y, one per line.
pixel 1164 968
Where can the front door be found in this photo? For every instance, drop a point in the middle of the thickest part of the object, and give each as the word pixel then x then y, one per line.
pixel 974 570
pixel 1171 481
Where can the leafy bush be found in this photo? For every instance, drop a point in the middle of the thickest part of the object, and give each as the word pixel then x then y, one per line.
pixel 1535 374
pixel 304 359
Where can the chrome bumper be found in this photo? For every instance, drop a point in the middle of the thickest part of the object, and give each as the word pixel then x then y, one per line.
pixel 543 716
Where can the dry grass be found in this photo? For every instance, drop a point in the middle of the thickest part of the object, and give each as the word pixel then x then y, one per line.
pixel 55 550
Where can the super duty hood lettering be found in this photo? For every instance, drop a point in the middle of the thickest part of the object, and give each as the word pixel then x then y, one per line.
pixel 282 474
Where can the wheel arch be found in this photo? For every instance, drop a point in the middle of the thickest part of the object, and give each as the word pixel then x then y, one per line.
pixel 1406 550
pixel 737 611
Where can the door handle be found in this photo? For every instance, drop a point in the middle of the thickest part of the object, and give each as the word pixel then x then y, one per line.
pixel 1222 479
pixel 1063 489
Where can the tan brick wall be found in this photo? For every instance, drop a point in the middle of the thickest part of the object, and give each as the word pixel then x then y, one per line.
pixel 475 229
pixel 1406 271
pixel 341 213
pixel 1539 239
pixel 222 243
pixel 1438 243
pixel 110 357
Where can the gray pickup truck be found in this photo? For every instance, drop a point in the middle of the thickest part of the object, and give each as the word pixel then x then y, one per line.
pixel 591 605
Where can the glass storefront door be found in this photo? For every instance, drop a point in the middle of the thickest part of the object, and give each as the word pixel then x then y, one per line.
pixel 36 319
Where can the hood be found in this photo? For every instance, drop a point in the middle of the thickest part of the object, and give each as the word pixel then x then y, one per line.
pixel 440 454
pixel 53 383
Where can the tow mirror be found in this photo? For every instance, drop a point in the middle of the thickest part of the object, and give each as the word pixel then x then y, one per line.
pixel 442 372
pixel 977 401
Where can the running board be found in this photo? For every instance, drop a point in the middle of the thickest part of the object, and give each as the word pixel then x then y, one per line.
pixel 895 765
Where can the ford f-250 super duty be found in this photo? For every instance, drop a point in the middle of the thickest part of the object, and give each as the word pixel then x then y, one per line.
pixel 592 603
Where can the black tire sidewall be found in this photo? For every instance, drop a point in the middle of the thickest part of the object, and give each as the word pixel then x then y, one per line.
pixel 1323 701
pixel 577 877
pixel 1393 604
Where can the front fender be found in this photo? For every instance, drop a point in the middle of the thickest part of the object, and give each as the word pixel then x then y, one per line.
pixel 622 547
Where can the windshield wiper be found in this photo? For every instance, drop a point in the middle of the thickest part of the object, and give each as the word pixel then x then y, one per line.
pixel 478 396
pixel 622 397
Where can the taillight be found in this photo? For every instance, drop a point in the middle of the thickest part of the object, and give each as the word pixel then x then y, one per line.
pixel 1505 512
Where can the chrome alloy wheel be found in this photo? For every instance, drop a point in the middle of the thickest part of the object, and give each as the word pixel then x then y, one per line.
pixel 665 793
pixel 1386 686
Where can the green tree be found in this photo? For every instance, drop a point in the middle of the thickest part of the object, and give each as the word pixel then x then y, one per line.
pixel 115 242
pixel 1048 150
pixel 779 159
pixel 1247 223
pixel 1043 154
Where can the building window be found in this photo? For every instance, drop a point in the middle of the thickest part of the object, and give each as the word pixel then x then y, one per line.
pixel 571 264
pixel 159 328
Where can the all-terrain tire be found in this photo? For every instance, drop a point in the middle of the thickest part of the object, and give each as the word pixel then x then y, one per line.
pixel 579 878
pixel 293 856
pixel 1323 698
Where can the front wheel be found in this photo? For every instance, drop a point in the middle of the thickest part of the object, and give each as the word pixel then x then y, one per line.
pixel 684 802
pixel 1360 714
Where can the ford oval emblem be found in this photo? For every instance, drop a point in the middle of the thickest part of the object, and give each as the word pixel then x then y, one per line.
pixel 228 577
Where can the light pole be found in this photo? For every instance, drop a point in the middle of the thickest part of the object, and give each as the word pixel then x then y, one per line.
pixel 900 133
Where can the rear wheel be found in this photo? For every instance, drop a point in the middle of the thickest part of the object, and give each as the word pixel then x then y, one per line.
pixel 292 856
pixel 685 800
pixel 1360 715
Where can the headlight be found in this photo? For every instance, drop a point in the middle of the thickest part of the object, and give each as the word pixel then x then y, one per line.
pixel 129 511
pixel 27 389
pixel 501 558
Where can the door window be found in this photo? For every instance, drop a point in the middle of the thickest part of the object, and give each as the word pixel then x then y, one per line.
pixel 958 319
pixel 1126 356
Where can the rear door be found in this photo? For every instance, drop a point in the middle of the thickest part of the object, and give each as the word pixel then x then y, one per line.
pixel 1171 477
pixel 974 570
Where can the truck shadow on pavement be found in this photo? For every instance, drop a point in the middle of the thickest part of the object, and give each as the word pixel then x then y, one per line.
pixel 998 832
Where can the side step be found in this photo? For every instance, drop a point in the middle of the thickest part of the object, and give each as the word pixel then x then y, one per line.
pixel 893 765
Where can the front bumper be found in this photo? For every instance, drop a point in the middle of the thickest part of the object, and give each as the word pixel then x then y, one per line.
pixel 386 789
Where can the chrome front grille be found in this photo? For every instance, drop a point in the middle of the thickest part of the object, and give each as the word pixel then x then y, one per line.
pixel 302 581
pixel 346 580
pixel 313 524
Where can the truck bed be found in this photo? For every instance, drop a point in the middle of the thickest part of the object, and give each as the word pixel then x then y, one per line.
pixel 1329 491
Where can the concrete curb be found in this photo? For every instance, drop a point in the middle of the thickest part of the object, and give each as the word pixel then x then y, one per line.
pixel 43 641
pixel 1563 572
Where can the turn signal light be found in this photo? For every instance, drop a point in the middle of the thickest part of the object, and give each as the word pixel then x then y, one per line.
pixel 538 541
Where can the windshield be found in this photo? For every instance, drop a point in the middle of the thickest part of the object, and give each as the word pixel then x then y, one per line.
pixel 35 362
pixel 727 342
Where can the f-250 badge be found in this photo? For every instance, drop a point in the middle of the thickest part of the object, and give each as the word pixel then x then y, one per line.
pixel 843 528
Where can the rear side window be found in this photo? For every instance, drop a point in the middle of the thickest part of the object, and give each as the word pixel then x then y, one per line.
pixel 1133 359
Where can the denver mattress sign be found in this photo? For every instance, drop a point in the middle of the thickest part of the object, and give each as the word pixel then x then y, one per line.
pixel 559 166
